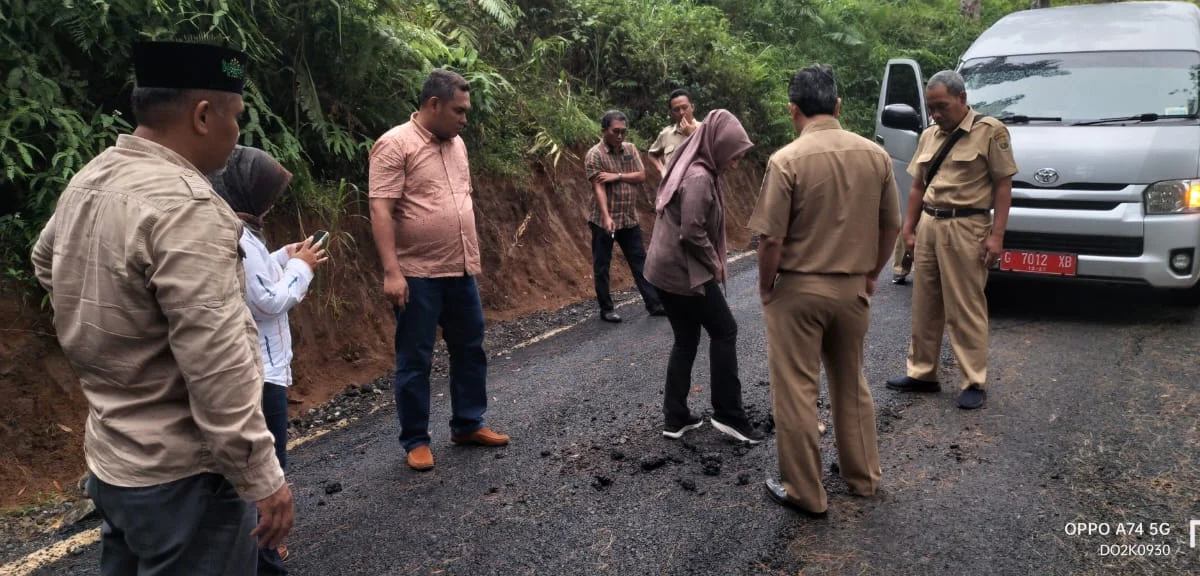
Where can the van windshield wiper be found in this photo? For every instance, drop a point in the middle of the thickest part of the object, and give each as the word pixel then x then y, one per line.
pixel 1023 119
pixel 1150 117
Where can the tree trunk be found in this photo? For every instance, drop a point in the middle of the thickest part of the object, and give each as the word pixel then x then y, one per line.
pixel 1035 4
pixel 970 8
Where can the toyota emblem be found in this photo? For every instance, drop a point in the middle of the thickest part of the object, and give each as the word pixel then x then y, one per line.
pixel 1046 176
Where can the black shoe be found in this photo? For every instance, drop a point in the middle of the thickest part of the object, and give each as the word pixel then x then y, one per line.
pixel 972 398
pixel 610 316
pixel 676 431
pixel 907 384
pixel 900 279
pixel 740 430
pixel 660 311
pixel 778 494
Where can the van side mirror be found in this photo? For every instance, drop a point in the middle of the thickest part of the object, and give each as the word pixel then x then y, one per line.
pixel 901 117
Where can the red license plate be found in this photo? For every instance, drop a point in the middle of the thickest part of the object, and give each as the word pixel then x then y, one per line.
pixel 1038 262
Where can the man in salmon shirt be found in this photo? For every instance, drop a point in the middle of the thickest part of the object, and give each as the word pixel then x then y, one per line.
pixel 424 227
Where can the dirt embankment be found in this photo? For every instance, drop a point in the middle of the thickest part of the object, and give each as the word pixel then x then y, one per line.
pixel 536 256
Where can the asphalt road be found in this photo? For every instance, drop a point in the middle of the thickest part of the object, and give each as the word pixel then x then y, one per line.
pixel 1092 418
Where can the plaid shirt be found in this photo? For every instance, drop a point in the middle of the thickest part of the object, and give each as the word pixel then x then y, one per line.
pixel 621 195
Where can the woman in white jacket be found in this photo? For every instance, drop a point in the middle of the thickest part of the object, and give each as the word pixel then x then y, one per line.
pixel 276 281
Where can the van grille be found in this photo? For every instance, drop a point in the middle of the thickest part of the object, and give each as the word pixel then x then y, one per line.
pixel 1074 244
pixel 1090 186
pixel 1100 205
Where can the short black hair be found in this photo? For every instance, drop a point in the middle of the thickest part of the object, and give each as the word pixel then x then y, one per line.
pixel 443 85
pixel 813 90
pixel 679 92
pixel 153 107
pixel 612 116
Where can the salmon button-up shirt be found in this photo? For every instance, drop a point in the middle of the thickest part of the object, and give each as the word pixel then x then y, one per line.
pixel 434 217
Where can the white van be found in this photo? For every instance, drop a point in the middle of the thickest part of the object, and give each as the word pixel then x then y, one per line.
pixel 1102 103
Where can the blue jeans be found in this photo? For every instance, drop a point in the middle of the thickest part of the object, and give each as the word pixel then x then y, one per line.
pixel 453 303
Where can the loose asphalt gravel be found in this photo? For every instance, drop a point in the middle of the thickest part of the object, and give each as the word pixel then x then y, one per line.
pixel 1092 418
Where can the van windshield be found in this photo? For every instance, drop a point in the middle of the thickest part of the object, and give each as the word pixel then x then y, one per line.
pixel 1085 86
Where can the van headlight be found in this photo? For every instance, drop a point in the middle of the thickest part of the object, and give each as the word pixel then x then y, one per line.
pixel 1173 197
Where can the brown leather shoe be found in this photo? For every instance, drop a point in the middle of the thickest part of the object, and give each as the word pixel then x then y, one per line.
pixel 420 459
pixel 481 437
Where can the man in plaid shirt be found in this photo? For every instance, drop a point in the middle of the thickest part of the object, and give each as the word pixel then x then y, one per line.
pixel 615 170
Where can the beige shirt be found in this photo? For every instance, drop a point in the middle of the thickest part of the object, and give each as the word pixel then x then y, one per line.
pixel 668 142
pixel 828 194
pixel 141 261
pixel 967 176
pixel 683 249
pixel 434 216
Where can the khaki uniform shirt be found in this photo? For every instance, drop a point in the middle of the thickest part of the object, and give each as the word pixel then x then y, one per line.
pixel 434 216
pixel 828 194
pixel 968 173
pixel 668 142
pixel 141 262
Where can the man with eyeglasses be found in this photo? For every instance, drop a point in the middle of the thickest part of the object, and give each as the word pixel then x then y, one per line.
pixel 615 171
pixel 962 173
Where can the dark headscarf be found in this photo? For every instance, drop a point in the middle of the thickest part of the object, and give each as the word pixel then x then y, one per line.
pixel 250 183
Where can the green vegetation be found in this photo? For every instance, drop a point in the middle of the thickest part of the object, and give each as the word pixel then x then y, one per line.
pixel 330 75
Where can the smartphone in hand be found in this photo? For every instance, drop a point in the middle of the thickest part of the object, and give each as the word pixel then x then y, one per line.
pixel 320 237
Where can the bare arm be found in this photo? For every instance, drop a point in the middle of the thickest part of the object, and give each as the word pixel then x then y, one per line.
pixel 601 200
pixel 993 247
pixel 383 228
pixel 1003 201
pixel 633 177
pixel 658 165
pixel 912 212
pixel 770 253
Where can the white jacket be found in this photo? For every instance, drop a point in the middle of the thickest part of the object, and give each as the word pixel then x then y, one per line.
pixel 274 284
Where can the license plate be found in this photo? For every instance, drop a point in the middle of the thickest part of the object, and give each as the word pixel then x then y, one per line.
pixel 1038 262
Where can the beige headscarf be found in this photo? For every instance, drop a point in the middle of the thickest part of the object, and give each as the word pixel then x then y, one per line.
pixel 718 139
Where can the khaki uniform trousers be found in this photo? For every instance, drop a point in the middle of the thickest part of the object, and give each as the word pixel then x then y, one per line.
pixel 949 277
pixel 815 319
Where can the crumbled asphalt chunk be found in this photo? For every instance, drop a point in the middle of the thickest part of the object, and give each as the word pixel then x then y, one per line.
pixel 743 479
pixel 602 482
pixel 546 453
pixel 652 463
pixel 688 484
pixel 711 464
pixel 617 455
pixel 333 488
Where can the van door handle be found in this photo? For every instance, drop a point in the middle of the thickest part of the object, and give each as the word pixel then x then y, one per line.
pixel 879 139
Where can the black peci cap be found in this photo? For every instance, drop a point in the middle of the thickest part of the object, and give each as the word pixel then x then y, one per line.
pixel 189 66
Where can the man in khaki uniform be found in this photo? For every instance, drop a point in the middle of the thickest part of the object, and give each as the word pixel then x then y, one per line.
pixel 958 240
pixel 671 137
pixel 828 214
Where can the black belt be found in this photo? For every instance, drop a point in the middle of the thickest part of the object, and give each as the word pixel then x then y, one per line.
pixel 954 212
